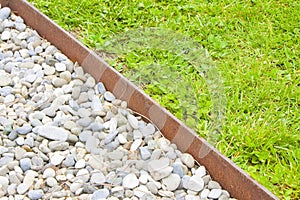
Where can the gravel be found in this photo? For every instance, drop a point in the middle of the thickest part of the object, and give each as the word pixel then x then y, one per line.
pixel 65 136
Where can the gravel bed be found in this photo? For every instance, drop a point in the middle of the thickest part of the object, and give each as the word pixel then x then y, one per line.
pixel 64 136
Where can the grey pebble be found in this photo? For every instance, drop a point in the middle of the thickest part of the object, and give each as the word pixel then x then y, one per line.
pixel 25 164
pixel 101 88
pixel 35 194
pixel 109 96
pixel 24 129
pixel 4 13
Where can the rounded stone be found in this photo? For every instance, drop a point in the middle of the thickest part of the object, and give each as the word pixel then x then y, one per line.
pixel 195 183
pixel 35 194
pixel 130 181
pixel 5 80
pixel 171 182
pixel 187 159
pixel 22 188
pixel 97 178
pixel 25 164
pixel 215 193
pixel 100 194
pixel 4 13
pixel 49 172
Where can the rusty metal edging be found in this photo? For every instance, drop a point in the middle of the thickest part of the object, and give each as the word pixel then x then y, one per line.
pixel 223 170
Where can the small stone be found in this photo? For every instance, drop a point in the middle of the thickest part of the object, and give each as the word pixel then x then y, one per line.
pixel 80 164
pixel 4 170
pixel 26 65
pixel 201 171
pixel 130 181
pixel 171 182
pixel 101 88
pixel 83 97
pixel 24 129
pixel 204 193
pixel 56 159
pixel 5 80
pixel 49 172
pixel 90 82
pixel 11 189
pixel 134 123
pixel 85 122
pixel 145 153
pixel 215 193
pixel 97 178
pixel 4 13
pixel 4 182
pixel 122 139
pixel 35 194
pixel 51 181
pixel 159 168
pixel 60 67
pixel 187 159
pixel 109 96
pixel 58 82
pixel 100 194
pixel 83 174
pixel 58 146
pixel 116 155
pixel 75 186
pixel 136 144
pixel 69 161
pixel 53 133
pixel 177 169
pixel 29 177
pixel 140 191
pixel 49 70
pixel 22 188
pixel 152 187
pixel 213 185
pixel 5 35
pixel 147 130
pixel 25 164
pixel 195 183
pixel 66 75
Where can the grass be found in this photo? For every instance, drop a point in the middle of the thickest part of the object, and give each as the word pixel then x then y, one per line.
pixel 256 47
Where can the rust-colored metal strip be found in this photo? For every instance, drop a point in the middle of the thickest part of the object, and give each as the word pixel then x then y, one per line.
pixel 231 177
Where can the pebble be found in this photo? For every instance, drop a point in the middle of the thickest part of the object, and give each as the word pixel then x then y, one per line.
pixel 133 121
pixel 187 159
pixel 215 193
pixel 25 164
pixel 56 158
pixel 109 96
pixel 35 194
pixel 53 133
pixel 100 194
pixel 49 172
pixel 130 181
pixel 5 79
pixel 195 183
pixel 4 13
pixel 172 182
pixel 98 178
pixel 22 188
pixel 64 136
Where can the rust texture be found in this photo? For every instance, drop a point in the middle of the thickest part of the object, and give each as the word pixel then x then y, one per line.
pixel 231 177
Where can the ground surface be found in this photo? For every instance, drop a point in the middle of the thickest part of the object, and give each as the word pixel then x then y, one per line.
pixel 254 44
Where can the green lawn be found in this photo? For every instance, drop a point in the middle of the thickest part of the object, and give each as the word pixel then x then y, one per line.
pixel 256 47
